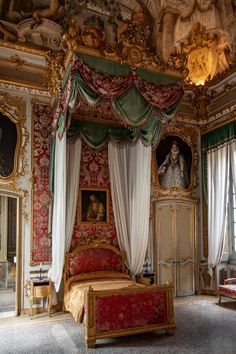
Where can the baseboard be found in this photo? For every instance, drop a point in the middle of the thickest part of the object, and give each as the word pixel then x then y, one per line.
pixel 37 310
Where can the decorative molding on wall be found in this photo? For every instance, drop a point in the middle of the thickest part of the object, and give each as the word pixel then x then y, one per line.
pixel 30 90
pixel 27 89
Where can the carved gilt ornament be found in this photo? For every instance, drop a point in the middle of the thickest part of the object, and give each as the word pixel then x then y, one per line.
pixel 208 53
pixel 189 136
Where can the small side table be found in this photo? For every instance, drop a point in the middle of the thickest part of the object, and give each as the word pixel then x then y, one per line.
pixel 146 278
pixel 40 288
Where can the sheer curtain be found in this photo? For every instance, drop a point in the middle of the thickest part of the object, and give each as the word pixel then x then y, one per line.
pixel 218 161
pixel 73 172
pixel 66 184
pixel 233 161
pixel 130 175
pixel 59 212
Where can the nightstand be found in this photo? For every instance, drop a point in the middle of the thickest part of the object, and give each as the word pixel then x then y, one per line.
pixel 146 278
pixel 40 288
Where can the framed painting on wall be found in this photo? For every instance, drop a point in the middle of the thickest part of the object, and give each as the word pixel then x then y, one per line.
pixel 93 205
pixel 9 146
pixel 174 160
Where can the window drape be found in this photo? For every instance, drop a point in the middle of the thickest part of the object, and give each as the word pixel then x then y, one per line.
pixel 233 161
pixel 130 173
pixel 218 161
pixel 218 165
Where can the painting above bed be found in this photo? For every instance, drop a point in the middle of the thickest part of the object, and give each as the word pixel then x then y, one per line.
pixel 93 205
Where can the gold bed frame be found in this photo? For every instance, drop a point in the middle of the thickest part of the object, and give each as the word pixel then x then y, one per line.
pixel 91 296
pixel 68 279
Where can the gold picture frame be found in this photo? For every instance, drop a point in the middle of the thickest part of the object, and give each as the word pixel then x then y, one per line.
pixel 14 138
pixel 93 206
pixel 10 141
pixel 163 150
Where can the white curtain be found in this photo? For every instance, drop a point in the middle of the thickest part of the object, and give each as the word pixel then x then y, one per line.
pixel 66 184
pixel 130 176
pixel 218 161
pixel 233 161
pixel 73 171
pixel 59 212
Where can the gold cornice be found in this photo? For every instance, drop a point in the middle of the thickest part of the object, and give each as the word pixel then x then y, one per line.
pixel 205 129
pixel 22 48
pixel 25 85
pixel 150 67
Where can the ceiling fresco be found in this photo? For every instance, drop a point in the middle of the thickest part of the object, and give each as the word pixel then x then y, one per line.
pixel 141 33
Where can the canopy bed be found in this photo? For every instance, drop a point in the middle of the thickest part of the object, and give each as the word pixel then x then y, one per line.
pixel 134 108
pixel 100 293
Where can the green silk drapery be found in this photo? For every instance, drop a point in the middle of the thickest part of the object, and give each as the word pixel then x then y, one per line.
pixel 139 118
pixel 113 68
pixel 127 101
pixel 218 136
pixel 213 140
pixel 96 134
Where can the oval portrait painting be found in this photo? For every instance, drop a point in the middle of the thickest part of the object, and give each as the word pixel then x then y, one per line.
pixel 8 144
pixel 174 159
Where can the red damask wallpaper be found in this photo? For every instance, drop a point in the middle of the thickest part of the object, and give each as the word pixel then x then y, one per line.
pixel 94 172
pixel 41 133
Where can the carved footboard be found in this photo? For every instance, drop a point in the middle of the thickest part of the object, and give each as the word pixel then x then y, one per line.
pixel 128 311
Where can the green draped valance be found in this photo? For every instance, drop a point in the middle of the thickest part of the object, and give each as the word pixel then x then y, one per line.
pixel 213 140
pixel 137 98
pixel 97 135
pixel 218 136
pixel 113 68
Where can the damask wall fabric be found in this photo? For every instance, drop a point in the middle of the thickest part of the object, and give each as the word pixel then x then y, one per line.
pixel 94 172
pixel 41 133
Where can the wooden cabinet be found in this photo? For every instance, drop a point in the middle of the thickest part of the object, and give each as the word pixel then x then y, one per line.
pixel 175 245
pixel 40 288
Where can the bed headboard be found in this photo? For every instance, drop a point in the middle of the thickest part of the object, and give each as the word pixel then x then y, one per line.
pixel 93 258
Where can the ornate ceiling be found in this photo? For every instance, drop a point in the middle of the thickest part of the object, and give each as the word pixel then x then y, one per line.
pixel 138 32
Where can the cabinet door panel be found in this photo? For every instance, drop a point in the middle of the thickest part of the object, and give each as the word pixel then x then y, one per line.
pixel 175 243
pixel 165 233
pixel 166 272
pixel 185 278
pixel 184 231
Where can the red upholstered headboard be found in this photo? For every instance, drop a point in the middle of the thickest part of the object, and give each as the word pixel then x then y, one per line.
pixel 94 258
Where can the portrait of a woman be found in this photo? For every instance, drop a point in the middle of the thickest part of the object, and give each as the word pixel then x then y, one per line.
pixel 174 163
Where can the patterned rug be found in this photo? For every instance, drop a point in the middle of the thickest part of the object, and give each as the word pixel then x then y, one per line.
pixel 203 327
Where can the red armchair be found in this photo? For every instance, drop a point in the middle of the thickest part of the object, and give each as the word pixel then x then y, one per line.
pixel 228 289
